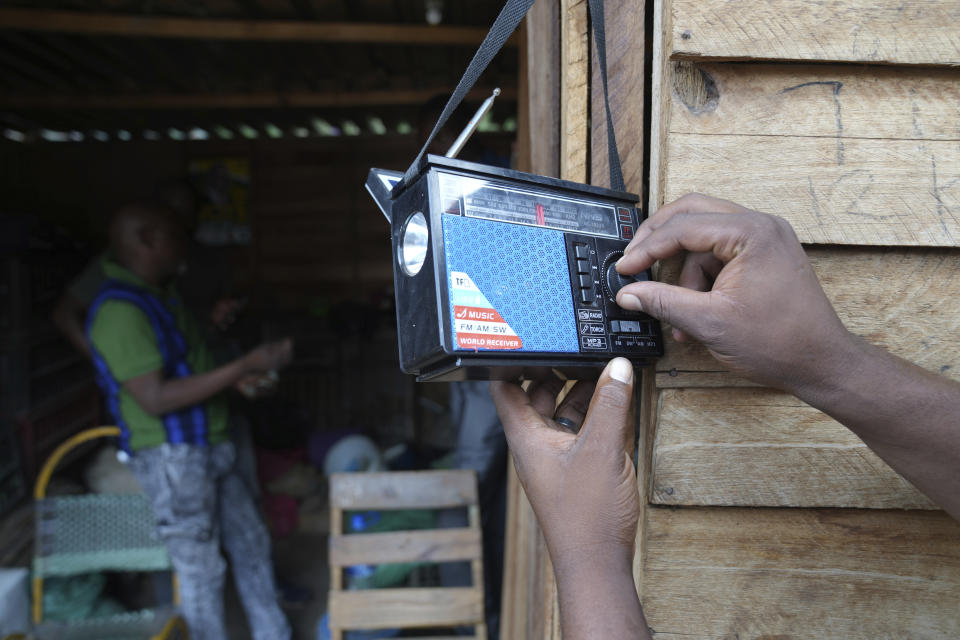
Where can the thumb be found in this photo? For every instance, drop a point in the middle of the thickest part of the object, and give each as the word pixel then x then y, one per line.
pixel 608 420
pixel 681 307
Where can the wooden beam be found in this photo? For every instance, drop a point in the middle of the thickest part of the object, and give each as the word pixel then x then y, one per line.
pixel 411 607
pixel 538 112
pixel 403 490
pixel 906 301
pixel 625 44
pixel 904 32
pixel 764 448
pixel 886 192
pixel 801 573
pixel 256 100
pixel 827 101
pixel 107 24
pixel 574 90
pixel 432 545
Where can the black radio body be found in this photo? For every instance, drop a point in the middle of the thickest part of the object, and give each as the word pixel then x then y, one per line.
pixel 501 274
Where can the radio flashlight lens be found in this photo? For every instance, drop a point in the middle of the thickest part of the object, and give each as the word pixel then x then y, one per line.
pixel 413 244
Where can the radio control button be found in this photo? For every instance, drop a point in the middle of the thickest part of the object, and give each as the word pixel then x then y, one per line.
pixel 586 295
pixel 612 280
pixel 583 266
pixel 582 251
pixel 586 282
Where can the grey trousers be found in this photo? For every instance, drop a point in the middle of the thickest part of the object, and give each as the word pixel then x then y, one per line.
pixel 201 503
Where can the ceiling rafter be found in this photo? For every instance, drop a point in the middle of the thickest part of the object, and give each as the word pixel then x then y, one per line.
pixel 253 100
pixel 227 29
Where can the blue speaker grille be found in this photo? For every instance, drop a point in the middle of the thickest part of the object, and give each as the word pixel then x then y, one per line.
pixel 522 272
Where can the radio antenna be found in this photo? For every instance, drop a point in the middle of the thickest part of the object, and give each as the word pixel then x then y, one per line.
pixel 461 140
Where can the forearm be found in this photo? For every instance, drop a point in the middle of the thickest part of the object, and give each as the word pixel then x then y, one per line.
pixel 909 416
pixel 598 598
pixel 173 394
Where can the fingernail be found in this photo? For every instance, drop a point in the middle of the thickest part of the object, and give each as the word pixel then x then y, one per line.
pixel 629 301
pixel 621 370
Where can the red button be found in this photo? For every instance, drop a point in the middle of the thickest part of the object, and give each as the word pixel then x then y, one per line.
pixel 626 231
pixel 624 215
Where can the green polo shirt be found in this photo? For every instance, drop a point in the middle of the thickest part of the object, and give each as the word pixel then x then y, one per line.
pixel 122 334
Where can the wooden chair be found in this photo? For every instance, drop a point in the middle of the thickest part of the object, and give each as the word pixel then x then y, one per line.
pixel 405 607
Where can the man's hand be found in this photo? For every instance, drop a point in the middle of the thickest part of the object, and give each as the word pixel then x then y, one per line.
pixel 746 291
pixel 256 385
pixel 269 356
pixel 583 488
pixel 158 395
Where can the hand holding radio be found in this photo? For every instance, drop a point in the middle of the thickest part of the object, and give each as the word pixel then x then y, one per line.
pixel 583 488
pixel 746 290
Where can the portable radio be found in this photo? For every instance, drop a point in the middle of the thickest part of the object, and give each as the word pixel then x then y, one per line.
pixel 500 274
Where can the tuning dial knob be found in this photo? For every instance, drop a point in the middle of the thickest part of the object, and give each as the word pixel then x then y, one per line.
pixel 613 280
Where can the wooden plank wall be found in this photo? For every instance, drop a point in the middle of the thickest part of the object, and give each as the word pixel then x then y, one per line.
pixel 783 108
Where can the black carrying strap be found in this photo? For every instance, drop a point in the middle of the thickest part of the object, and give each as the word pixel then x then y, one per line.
pixel 600 37
pixel 505 24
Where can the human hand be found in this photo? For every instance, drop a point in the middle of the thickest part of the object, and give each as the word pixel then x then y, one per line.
pixel 270 356
pixel 746 291
pixel 582 485
pixel 254 385
pixel 224 312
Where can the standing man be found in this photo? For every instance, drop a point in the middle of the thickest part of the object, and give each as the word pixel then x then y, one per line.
pixel 158 376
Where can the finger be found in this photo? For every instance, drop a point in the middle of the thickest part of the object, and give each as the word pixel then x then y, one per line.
pixel 697 272
pixel 543 394
pixel 517 414
pixel 608 418
pixel 685 309
pixel 690 203
pixel 721 234
pixel 574 407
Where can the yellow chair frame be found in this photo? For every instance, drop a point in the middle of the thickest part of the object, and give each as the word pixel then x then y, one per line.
pixel 176 624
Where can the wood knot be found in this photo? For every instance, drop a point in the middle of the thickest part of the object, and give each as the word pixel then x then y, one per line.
pixel 695 87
